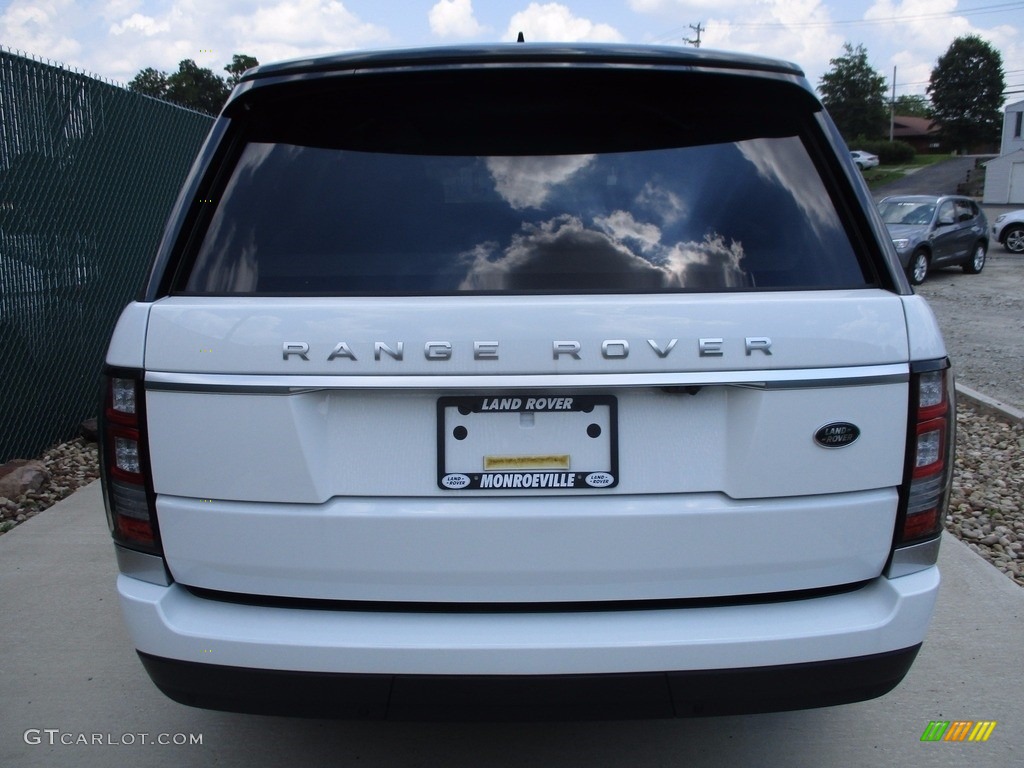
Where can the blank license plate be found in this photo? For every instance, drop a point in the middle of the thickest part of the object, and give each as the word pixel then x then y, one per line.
pixel 527 442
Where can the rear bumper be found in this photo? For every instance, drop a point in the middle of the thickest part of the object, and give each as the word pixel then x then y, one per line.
pixel 709 659
pixel 530 697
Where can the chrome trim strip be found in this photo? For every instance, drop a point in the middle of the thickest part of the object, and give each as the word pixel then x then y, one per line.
pixel 811 378
pixel 917 557
pixel 139 565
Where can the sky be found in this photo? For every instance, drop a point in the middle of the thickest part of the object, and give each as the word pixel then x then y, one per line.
pixel 116 38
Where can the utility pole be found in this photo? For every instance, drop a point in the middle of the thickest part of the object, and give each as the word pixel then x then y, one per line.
pixel 892 106
pixel 698 29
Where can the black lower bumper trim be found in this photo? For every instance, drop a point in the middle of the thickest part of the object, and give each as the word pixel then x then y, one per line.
pixel 530 697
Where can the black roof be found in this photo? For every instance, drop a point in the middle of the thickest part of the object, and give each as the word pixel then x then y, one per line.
pixel 525 54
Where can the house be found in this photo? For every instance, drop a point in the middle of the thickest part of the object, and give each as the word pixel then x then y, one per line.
pixel 919 132
pixel 1004 176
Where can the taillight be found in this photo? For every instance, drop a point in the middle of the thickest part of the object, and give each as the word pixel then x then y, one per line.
pixel 127 484
pixel 930 450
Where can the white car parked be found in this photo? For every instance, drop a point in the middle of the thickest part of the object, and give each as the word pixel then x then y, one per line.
pixel 1008 229
pixel 864 160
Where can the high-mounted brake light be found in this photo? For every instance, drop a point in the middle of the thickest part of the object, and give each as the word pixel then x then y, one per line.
pixel 131 512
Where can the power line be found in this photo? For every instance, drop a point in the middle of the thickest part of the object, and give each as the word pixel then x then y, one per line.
pixel 698 29
pixel 889 19
pixel 980 10
pixel 928 82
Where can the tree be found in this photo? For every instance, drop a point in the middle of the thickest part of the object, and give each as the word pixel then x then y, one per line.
pixel 197 87
pixel 239 63
pixel 150 82
pixel 966 89
pixel 913 106
pixel 193 86
pixel 854 95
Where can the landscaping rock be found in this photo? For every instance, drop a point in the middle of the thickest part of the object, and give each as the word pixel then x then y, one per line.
pixel 22 476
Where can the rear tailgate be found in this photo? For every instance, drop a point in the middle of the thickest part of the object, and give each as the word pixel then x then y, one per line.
pixel 305 444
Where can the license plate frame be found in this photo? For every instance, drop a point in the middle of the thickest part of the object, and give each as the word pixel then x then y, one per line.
pixel 527 442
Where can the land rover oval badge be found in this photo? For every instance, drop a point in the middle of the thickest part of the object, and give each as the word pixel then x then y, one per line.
pixel 838 434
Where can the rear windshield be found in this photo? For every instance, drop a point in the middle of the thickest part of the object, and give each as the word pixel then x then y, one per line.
pixel 315 214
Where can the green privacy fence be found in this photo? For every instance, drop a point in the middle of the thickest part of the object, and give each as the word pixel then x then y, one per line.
pixel 88 174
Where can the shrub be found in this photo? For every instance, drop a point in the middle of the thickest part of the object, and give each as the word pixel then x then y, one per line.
pixel 889 153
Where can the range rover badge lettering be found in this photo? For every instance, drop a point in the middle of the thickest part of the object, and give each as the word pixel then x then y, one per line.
pixel 571 349
pixel 299 348
pixel 838 434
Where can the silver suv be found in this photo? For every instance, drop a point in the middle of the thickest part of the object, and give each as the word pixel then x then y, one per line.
pixel 931 232
pixel 521 382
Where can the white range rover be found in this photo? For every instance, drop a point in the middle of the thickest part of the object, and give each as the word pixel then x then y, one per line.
pixel 526 382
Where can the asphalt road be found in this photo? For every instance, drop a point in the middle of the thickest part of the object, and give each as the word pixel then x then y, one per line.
pixel 939 179
pixel 73 693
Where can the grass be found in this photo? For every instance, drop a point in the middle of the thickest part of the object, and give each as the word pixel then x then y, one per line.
pixel 884 174
pixel 922 160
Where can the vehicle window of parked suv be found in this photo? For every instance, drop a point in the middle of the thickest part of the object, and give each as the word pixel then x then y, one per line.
pixel 946 214
pixel 965 210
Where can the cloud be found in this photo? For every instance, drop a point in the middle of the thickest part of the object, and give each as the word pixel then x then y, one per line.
pixel 661 6
pixel 526 182
pixel 910 69
pixel 147 25
pixel 117 9
pixel 923 38
pixel 622 226
pixel 117 38
pixel 41 28
pixel 305 26
pixel 559 253
pixel 454 18
pixel 553 22
pixel 785 163
pixel 563 254
pixel 125 36
pixel 917 22
pixel 910 34
pixel 794 30
pixel 665 203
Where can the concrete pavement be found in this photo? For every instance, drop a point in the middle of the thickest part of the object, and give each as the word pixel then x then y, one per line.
pixel 68 674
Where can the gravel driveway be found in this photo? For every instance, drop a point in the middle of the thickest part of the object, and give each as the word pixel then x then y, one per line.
pixel 981 316
pixel 982 321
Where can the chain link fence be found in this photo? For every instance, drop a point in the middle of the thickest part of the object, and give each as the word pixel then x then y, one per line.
pixel 88 174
